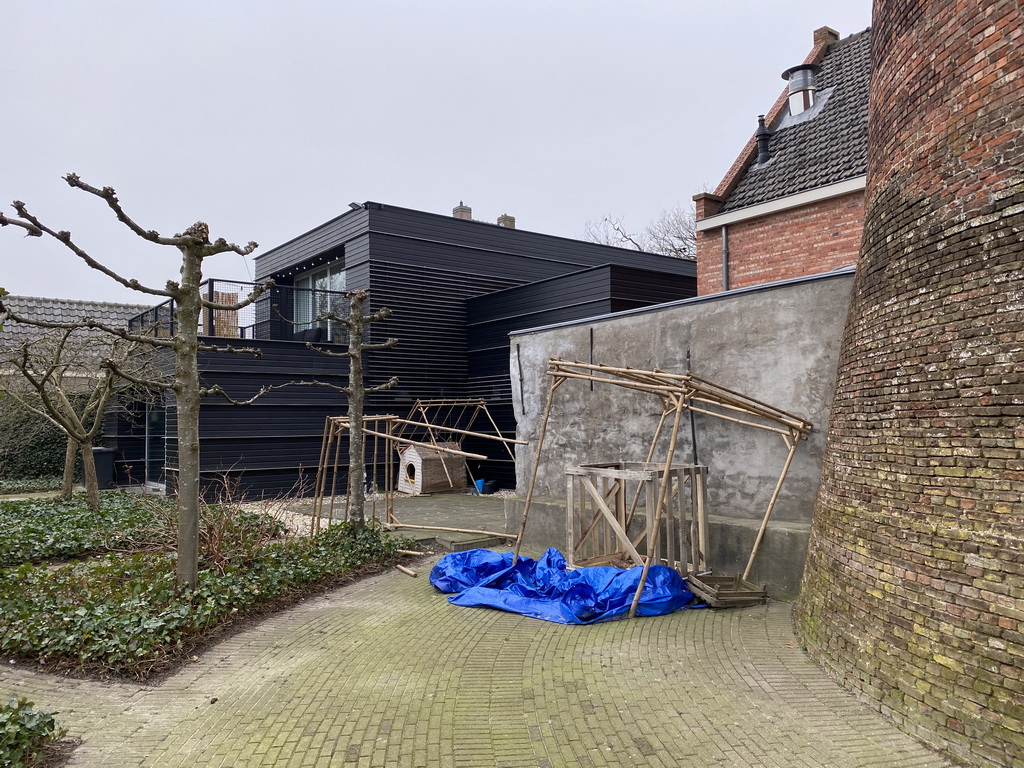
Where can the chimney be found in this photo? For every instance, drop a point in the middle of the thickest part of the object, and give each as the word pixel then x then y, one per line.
pixel 802 86
pixel 825 36
pixel 762 134
pixel 507 221
pixel 462 211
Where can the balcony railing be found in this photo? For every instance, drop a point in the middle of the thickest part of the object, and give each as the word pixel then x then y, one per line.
pixel 282 314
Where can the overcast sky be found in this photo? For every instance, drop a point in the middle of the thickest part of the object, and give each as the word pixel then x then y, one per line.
pixel 266 119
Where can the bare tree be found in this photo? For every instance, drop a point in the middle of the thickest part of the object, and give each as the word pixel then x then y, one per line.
pixel 355 322
pixel 55 376
pixel 672 233
pixel 195 246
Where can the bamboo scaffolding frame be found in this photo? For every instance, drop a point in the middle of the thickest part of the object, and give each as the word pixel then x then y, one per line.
pixel 328 467
pixel 678 392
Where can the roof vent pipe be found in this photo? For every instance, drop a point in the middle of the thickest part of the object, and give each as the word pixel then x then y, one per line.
pixel 762 134
pixel 802 86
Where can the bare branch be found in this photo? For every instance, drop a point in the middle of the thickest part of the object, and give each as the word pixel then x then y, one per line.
pixel 31 230
pixel 110 197
pixel 256 292
pixel 254 351
pixel 388 344
pixel 327 352
pixel 392 382
pixel 147 383
pixel 30 222
pixel 672 233
pixel 217 390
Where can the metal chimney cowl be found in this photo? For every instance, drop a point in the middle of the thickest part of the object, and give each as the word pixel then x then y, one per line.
pixel 802 86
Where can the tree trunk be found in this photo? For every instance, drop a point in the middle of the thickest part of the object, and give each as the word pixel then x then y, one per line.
pixel 186 388
pixel 356 399
pixel 92 488
pixel 67 485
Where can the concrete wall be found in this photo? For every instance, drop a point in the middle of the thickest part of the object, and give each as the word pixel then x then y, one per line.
pixel 778 344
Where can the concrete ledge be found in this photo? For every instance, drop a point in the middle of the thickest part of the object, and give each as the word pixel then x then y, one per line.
pixel 779 563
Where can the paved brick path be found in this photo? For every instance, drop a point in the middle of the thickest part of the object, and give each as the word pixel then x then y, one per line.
pixel 386 673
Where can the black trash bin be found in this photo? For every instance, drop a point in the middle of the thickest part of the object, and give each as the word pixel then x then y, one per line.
pixel 104 458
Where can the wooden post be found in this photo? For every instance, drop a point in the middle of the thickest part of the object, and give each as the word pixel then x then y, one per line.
pixel 661 504
pixel 771 506
pixel 536 463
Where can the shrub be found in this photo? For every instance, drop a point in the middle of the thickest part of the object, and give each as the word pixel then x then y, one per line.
pixel 24 731
pixel 30 446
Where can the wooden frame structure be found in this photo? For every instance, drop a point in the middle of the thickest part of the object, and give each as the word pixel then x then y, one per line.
pixel 388 435
pixel 678 393
pixel 599 515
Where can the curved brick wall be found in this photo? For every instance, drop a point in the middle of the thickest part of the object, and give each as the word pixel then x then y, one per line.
pixel 913 592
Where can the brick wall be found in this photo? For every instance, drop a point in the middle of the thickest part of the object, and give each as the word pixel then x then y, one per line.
pixel 802 241
pixel 913 594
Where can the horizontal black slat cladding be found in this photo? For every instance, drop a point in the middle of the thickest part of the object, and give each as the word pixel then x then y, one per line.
pixel 414 224
pixel 425 268
pixel 574 288
pixel 494 334
pixel 429 321
pixel 643 287
pixel 331 234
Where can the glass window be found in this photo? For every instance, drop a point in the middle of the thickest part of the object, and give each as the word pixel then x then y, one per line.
pixel 320 292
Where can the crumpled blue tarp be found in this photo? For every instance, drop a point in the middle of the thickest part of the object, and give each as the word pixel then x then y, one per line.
pixel 544 589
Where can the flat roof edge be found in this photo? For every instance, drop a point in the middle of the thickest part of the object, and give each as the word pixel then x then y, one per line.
pixel 847 271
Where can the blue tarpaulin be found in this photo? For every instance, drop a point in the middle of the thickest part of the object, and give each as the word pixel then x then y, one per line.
pixel 545 589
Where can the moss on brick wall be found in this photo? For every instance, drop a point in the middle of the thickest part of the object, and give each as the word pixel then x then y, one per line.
pixel 913 593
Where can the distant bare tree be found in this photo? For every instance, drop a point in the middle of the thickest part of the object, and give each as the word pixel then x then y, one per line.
pixel 672 233
pixel 182 339
pixel 67 377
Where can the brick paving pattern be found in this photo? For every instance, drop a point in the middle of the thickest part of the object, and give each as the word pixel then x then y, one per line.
pixel 386 673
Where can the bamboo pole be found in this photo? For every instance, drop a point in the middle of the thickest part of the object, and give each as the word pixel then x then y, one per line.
pixel 502 534
pixel 768 512
pixel 652 545
pixel 406 571
pixel 536 463
pixel 452 451
pixel 469 432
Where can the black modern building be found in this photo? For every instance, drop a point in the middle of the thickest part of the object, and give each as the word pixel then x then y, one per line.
pixel 456 288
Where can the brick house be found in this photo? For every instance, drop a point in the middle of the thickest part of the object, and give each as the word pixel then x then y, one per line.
pixel 792 204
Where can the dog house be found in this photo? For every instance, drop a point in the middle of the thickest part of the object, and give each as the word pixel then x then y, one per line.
pixel 423 470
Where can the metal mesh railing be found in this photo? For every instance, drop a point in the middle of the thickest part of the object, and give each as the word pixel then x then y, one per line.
pixel 282 313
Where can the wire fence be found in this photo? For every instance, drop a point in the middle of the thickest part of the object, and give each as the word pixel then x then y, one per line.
pixel 282 313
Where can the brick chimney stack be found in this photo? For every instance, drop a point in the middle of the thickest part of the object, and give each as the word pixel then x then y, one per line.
pixel 462 211
pixel 825 36
pixel 507 221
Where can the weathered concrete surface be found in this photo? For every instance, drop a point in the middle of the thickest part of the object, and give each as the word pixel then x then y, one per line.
pixel 778 565
pixel 778 344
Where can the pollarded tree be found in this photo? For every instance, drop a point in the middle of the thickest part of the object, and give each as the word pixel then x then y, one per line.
pixel 66 376
pixel 182 339
pixel 355 322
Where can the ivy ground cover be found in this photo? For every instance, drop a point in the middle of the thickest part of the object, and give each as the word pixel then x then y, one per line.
pixel 96 594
